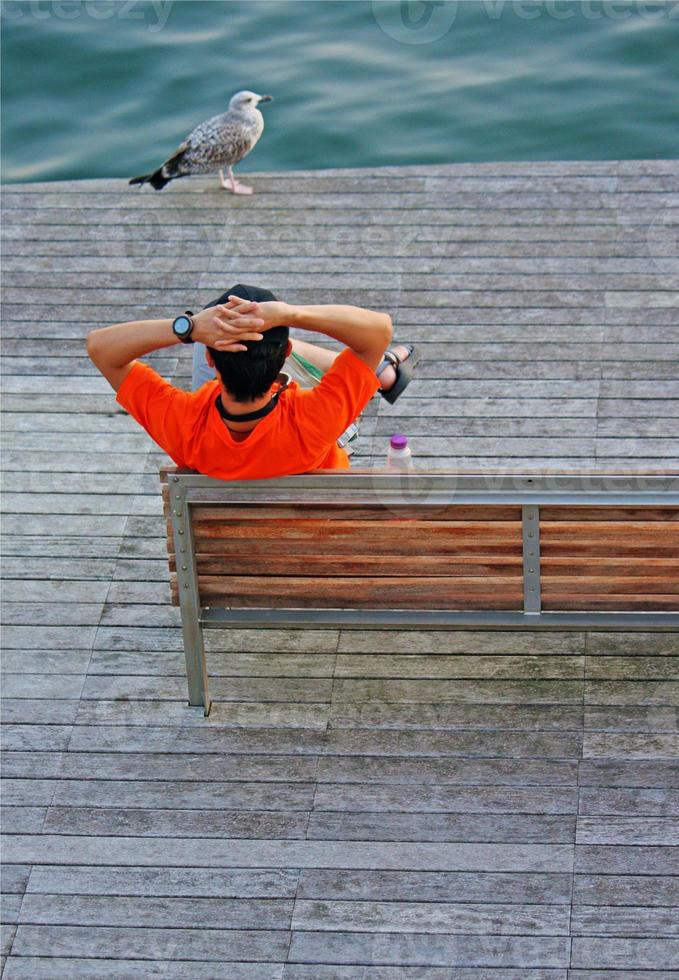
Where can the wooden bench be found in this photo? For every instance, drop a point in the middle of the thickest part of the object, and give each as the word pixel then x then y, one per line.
pixel 376 550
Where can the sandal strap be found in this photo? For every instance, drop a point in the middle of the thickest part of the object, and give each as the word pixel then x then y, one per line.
pixel 388 359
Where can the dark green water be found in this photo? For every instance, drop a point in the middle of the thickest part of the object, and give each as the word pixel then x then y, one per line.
pixel 104 88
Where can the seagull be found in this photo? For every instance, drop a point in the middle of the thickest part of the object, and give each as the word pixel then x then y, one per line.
pixel 219 142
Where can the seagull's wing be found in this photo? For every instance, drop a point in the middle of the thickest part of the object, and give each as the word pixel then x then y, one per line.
pixel 220 141
pixel 174 165
pixel 188 157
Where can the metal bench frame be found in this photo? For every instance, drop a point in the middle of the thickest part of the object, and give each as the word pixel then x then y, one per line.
pixel 188 489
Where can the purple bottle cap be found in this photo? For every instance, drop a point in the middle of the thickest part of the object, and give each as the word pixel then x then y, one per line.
pixel 398 441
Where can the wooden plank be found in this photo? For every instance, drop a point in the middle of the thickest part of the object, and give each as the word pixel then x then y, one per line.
pixel 440 320
pixel 282 515
pixel 436 279
pixel 604 515
pixel 479 691
pixel 611 544
pixel 482 642
pixel 634 667
pixel 508 666
pixel 15 878
pixel 224 883
pixel 502 592
pixel 364 566
pixel 347 537
pixel 479 177
pixel 16 711
pixel 611 719
pixel 218 945
pixel 413 826
pixel 421 257
pixel 638 830
pixel 337 235
pixel 55 302
pixel 149 912
pixel 610 953
pixel 412 949
pixel 633 890
pixel 90 968
pixel 444 918
pixel 234 853
pixel 631 746
pixel 79 245
pixel 596 583
pixel 518 208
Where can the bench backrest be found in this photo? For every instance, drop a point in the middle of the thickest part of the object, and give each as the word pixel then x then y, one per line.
pixel 512 542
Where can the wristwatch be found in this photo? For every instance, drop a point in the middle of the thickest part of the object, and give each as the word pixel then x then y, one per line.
pixel 182 327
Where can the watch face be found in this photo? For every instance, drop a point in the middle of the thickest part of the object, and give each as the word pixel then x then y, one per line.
pixel 182 325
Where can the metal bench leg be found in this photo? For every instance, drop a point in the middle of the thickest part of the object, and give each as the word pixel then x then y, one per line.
pixel 196 669
pixel 187 583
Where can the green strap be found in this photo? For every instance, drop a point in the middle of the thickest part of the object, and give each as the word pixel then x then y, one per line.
pixel 307 365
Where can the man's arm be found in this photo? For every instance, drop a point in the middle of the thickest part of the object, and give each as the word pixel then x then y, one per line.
pixel 366 332
pixel 114 349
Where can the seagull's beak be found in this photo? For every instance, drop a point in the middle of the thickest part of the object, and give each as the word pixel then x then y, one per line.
pixel 266 98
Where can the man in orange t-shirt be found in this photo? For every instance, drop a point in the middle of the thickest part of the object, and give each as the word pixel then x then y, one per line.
pixel 251 422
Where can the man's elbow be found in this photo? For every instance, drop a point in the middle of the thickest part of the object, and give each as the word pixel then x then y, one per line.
pixel 388 329
pixel 94 346
pixel 380 335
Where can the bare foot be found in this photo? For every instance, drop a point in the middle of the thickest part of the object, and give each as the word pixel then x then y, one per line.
pixel 388 375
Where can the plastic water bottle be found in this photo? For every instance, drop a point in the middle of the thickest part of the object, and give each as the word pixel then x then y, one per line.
pixel 399 456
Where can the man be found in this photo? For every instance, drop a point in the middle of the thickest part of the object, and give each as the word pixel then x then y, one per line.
pixel 251 422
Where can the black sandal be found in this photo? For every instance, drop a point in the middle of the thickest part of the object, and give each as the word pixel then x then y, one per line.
pixel 404 371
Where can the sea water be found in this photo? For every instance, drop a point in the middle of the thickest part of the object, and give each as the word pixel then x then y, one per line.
pixel 101 88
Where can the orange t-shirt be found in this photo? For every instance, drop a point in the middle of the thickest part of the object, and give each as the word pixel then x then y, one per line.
pixel 299 435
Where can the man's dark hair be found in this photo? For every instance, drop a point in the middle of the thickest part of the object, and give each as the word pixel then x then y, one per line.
pixel 249 374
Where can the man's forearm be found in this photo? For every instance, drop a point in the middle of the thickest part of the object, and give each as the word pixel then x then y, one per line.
pixel 367 332
pixel 121 343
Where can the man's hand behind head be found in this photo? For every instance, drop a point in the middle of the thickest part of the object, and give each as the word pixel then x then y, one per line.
pixel 226 327
pixel 271 313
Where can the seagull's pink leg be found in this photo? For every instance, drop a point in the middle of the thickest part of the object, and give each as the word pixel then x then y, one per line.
pixel 235 187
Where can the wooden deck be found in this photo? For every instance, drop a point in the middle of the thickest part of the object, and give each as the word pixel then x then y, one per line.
pixel 372 806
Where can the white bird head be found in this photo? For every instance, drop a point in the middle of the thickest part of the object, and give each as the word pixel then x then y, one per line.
pixel 246 101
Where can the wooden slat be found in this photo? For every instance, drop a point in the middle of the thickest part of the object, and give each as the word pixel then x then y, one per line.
pixel 469 564
pixel 665 569
pixel 481 546
pixel 610 539
pixel 391 532
pixel 596 582
pixel 613 532
pixel 624 602
pixel 549 513
pixel 360 565
pixel 499 592
pixel 281 514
